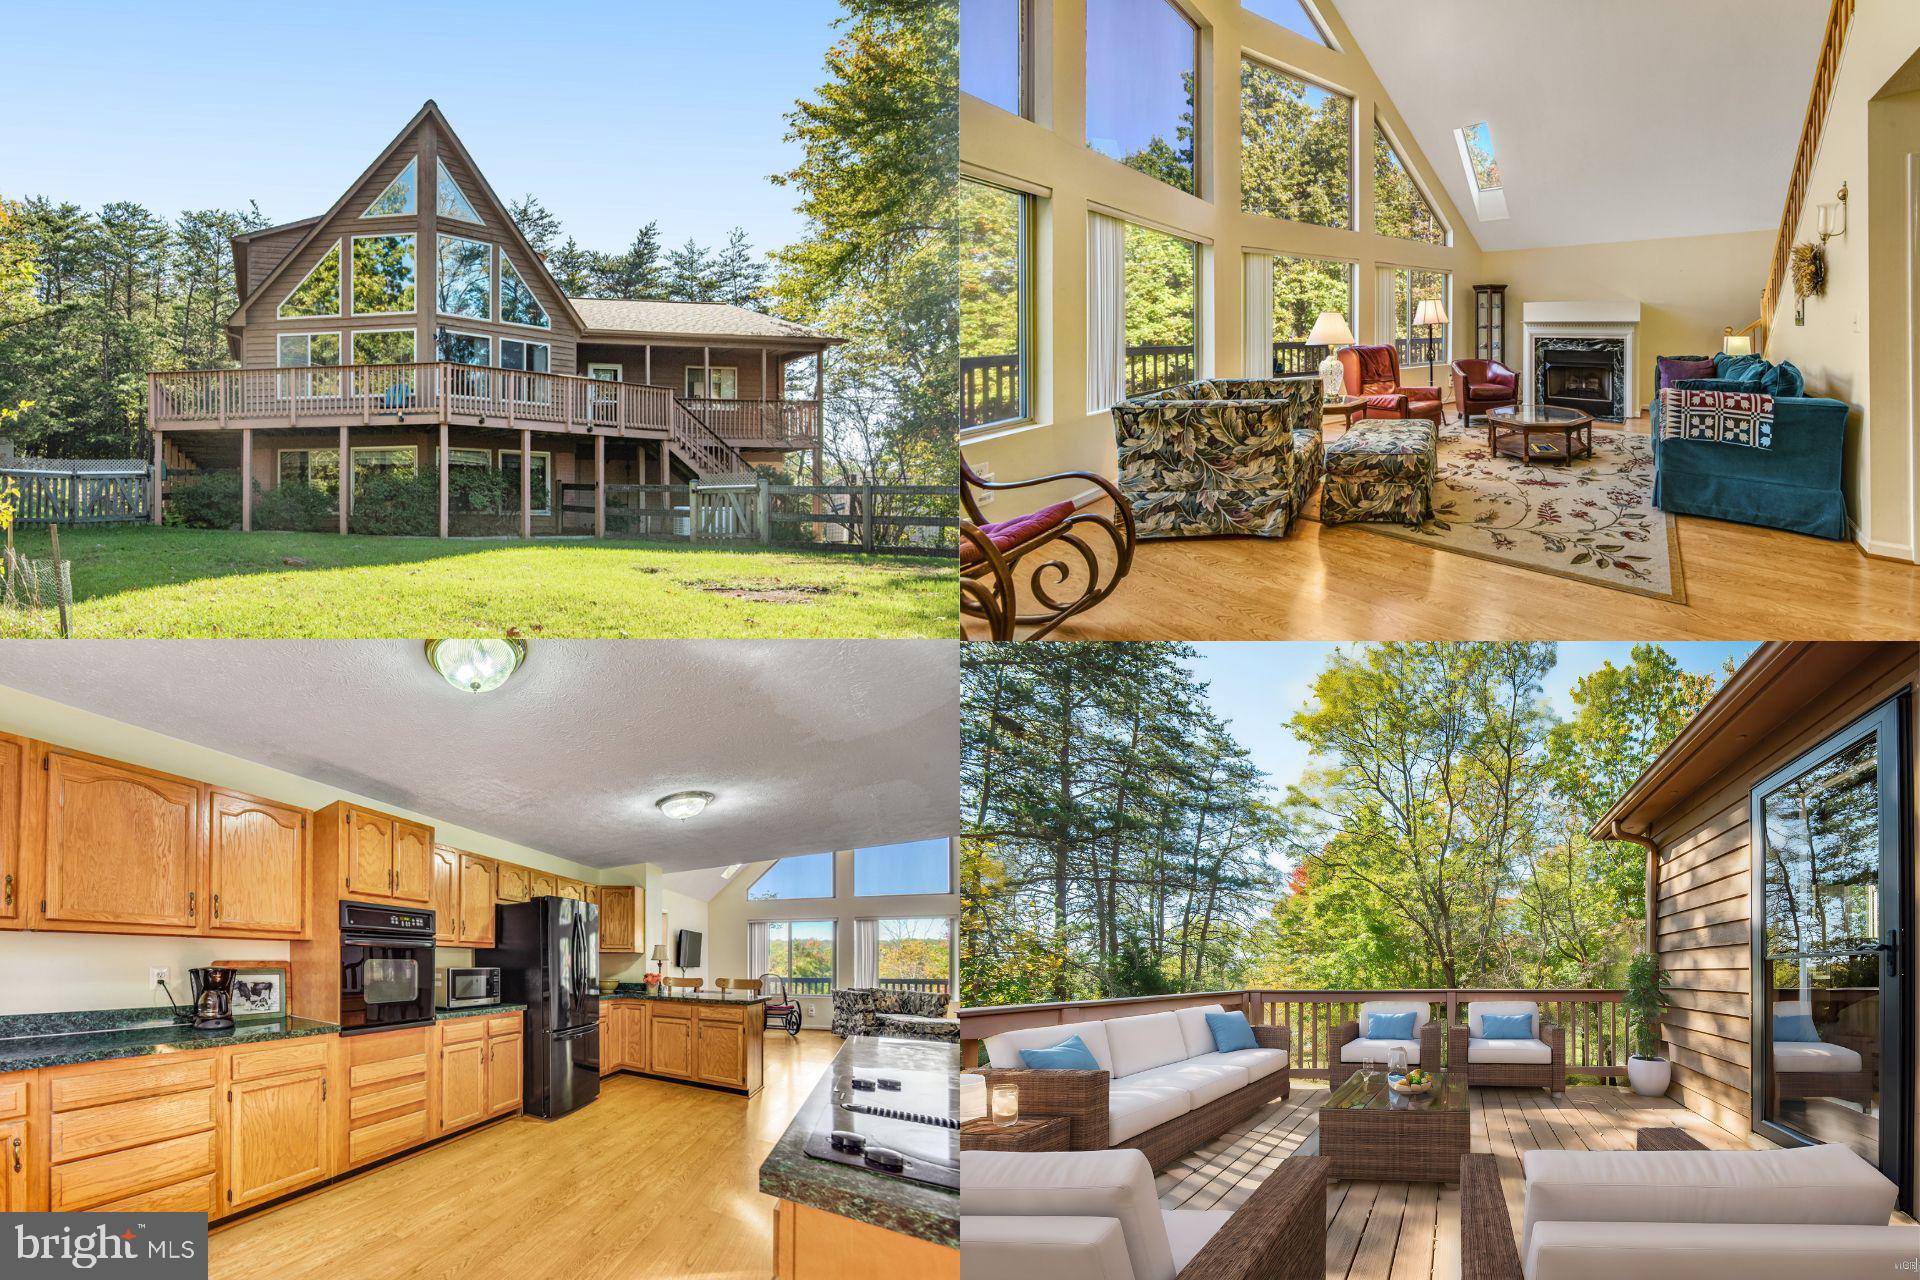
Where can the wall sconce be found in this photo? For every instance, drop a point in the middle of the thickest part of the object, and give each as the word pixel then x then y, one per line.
pixel 1828 218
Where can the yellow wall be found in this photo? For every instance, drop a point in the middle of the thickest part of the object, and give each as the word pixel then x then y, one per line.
pixel 1867 275
pixel 1690 288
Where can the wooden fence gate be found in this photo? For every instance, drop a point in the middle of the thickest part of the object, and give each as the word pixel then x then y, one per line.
pixel 78 497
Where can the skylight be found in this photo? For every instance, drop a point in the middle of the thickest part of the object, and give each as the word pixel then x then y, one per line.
pixel 1483 171
pixel 1294 15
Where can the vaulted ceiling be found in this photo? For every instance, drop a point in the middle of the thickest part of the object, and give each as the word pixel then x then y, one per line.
pixel 1611 119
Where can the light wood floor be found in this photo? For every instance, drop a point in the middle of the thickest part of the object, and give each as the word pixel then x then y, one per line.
pixel 1411 1230
pixel 1344 583
pixel 653 1179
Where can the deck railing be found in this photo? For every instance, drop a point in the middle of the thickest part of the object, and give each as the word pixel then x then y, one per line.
pixel 785 424
pixel 1595 1024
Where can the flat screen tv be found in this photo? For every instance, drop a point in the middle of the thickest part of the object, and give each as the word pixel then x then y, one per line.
pixel 686 949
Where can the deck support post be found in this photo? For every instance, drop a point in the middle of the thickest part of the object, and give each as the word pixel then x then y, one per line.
pixel 346 480
pixel 246 479
pixel 159 474
pixel 446 473
pixel 819 426
pixel 599 486
pixel 646 369
pixel 526 483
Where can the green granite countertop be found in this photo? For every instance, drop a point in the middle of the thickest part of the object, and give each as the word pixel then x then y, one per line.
pixel 911 1208
pixel 476 1011
pixel 638 991
pixel 33 1040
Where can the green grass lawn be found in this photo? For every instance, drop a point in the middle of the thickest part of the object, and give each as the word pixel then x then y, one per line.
pixel 137 580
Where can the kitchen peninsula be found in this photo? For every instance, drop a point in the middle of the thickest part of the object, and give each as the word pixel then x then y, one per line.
pixel 715 1038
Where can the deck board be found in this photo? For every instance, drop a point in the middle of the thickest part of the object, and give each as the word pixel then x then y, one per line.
pixel 1411 1231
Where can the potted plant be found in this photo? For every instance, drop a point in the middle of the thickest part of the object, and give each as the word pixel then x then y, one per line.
pixel 1646 1000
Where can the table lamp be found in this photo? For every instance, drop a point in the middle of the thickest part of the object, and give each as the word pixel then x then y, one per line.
pixel 660 961
pixel 1737 344
pixel 1331 331
pixel 1429 313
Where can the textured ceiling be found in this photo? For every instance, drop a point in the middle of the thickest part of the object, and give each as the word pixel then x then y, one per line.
pixel 1622 120
pixel 808 744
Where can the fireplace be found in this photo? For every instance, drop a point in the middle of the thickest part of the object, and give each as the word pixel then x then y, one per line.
pixel 1588 374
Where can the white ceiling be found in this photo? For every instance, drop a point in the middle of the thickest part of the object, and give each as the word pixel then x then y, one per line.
pixel 807 744
pixel 1612 119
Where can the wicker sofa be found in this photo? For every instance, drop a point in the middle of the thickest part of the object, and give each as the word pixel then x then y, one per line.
pixel 1351 1049
pixel 1843 1064
pixel 874 1011
pixel 1220 456
pixel 1092 1215
pixel 1162 1087
pixel 1539 1062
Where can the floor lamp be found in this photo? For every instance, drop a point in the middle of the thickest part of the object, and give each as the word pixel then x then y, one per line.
pixel 1429 313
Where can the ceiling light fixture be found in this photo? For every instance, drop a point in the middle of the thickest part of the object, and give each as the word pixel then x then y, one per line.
pixel 477 666
pixel 682 805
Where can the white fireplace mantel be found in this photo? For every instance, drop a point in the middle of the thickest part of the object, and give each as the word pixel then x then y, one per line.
pixel 1619 321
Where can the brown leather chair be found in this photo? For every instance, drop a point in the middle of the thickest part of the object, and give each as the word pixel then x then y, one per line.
pixel 1483 385
pixel 1375 371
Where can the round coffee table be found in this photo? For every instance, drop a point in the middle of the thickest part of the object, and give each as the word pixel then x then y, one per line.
pixel 1539 432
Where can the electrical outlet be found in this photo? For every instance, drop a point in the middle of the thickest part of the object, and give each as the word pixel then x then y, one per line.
pixel 985 496
pixel 159 974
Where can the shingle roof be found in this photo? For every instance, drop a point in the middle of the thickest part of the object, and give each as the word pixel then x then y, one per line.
pixel 693 319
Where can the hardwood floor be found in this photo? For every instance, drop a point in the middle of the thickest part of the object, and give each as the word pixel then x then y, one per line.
pixel 1411 1230
pixel 1344 583
pixel 653 1179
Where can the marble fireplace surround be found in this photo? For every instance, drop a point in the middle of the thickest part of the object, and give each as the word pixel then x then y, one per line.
pixel 1609 321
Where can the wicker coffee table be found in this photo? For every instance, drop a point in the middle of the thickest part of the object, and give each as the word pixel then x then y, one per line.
pixel 1040 1133
pixel 1371 1133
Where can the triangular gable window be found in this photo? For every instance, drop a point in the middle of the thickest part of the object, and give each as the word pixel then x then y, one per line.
pixel 319 293
pixel 1400 208
pixel 517 303
pixel 398 197
pixel 1294 16
pixel 452 201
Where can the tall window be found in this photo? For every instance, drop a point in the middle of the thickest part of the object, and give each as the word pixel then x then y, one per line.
pixel 1296 148
pixel 915 954
pixel 308 351
pixel 1142 66
pixel 994 247
pixel 382 274
pixel 801 951
pixel 1302 289
pixel 319 468
pixel 809 875
pixel 1418 344
pixel 919 866
pixel 464 281
pixel 383 346
pixel 1400 209
pixel 1291 14
pixel 993 52
pixel 539 480
pixel 1162 309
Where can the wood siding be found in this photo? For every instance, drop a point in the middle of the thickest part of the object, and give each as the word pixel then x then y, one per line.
pixel 264 253
pixel 1704 897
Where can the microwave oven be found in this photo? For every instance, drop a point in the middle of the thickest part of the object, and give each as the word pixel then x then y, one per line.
pixel 465 988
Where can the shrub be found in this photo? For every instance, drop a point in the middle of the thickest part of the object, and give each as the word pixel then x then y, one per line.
pixel 210 500
pixel 479 489
pixel 396 504
pixel 300 508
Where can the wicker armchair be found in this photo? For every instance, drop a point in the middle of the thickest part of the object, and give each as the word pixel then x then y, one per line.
pixel 1338 1071
pixel 1550 1075
pixel 1280 1233
pixel 991 553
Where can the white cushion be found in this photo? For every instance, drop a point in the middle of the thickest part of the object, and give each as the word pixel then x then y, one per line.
pixel 1137 1108
pixel 1194 1030
pixel 1058 1248
pixel 1715 1251
pixel 1204 1081
pixel 1188 1231
pixel 1478 1009
pixel 1363 1049
pixel 1798 1055
pixel 1422 1013
pixel 1531 1051
pixel 1072 1184
pixel 1144 1042
pixel 1004 1049
pixel 1821 1184
pixel 1257 1063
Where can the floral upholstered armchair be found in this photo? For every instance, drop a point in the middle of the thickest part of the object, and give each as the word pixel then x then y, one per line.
pixel 1232 456
pixel 876 1011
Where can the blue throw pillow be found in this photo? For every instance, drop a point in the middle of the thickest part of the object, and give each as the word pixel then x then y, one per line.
pixel 1070 1054
pixel 1231 1032
pixel 1796 1028
pixel 1506 1026
pixel 1784 380
pixel 1390 1026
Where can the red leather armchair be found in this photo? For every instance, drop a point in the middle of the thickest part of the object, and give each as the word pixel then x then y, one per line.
pixel 1483 385
pixel 1375 371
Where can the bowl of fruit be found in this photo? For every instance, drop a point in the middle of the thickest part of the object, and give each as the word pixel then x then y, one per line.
pixel 1415 1081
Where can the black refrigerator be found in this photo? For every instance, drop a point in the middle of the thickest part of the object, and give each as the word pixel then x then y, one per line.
pixel 548 953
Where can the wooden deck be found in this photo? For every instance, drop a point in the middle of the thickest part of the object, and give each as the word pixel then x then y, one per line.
pixel 1411 1231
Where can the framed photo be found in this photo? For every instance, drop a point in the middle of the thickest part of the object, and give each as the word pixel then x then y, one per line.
pixel 259 989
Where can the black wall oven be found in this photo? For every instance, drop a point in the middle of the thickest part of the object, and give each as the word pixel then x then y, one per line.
pixel 386 968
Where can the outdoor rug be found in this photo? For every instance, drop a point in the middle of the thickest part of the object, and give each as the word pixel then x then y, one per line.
pixel 1592 519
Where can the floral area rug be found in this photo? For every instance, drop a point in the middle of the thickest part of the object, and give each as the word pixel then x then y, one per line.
pixel 1591 519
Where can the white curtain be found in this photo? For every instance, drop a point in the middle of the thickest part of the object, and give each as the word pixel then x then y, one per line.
pixel 756 948
pixel 866 953
pixel 1106 312
pixel 1259 318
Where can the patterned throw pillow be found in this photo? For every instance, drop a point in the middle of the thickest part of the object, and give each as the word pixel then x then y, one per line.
pixel 1721 417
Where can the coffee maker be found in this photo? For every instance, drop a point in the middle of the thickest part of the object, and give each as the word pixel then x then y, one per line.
pixel 212 999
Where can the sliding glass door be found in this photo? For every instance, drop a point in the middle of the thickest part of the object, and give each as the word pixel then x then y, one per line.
pixel 1830 945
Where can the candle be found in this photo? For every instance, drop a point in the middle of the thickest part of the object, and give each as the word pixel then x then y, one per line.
pixel 973 1097
pixel 1006 1103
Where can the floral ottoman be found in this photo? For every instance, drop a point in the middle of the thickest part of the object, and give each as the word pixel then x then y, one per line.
pixel 1380 469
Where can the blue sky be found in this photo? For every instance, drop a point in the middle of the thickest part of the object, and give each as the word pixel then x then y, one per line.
pixel 1259 687
pixel 613 114
pixel 918 866
pixel 1137 52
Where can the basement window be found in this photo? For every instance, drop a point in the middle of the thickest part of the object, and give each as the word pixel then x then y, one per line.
pixel 1483 171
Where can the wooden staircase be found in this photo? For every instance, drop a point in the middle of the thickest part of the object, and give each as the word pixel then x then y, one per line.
pixel 1819 102
pixel 702 449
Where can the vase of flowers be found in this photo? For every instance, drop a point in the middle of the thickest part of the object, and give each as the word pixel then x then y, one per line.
pixel 1645 1000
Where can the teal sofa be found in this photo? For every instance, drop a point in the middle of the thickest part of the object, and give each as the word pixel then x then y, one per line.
pixel 1794 485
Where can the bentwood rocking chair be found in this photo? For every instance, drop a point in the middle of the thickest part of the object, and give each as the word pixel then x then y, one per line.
pixel 991 553
pixel 782 1010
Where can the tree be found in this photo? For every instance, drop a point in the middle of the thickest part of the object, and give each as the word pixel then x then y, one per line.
pixel 574 269
pixel 739 275
pixel 539 226
pixel 1295 152
pixel 690 274
pixel 635 274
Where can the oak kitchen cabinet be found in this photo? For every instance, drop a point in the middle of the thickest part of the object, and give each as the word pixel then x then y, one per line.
pixel 545 885
pixel 610 1054
pixel 512 883
pixel 279 1134
pixel 13 773
pixel 387 1108
pixel 19 1159
pixel 463 1073
pixel 506 1038
pixel 258 860
pixel 720 1046
pixel 670 1042
pixel 704 1042
pixel 381 858
pixel 463 894
pixel 621 907
pixel 134 1136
